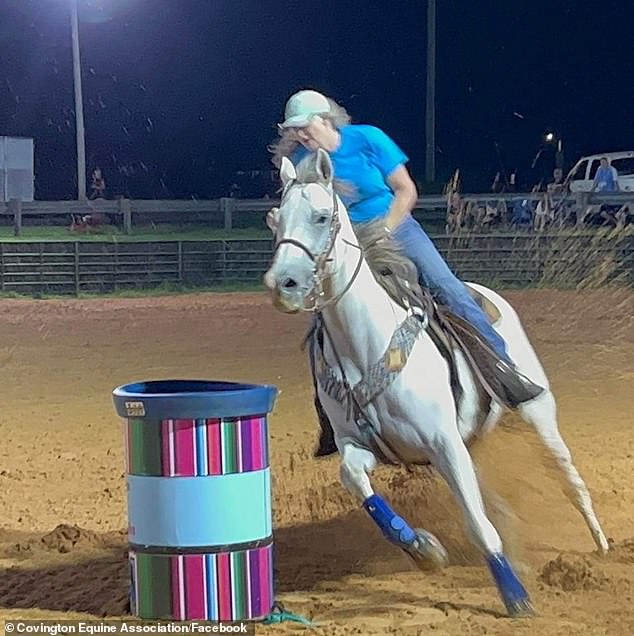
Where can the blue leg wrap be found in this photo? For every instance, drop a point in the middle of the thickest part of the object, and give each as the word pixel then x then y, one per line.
pixel 512 591
pixel 395 528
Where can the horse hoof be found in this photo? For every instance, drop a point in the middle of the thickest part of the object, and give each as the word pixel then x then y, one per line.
pixel 603 544
pixel 521 609
pixel 427 552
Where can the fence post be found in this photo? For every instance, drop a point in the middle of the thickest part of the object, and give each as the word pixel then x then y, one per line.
pixel 116 267
pixel 581 202
pixel 77 286
pixel 629 250
pixel 41 264
pixel 125 208
pixel 15 207
pixel 228 207
pixel 224 262
pixel 180 262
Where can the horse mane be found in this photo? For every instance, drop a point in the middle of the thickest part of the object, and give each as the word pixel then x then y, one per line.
pixel 393 270
pixel 306 171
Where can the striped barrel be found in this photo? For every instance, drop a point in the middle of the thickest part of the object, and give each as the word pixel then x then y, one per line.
pixel 199 499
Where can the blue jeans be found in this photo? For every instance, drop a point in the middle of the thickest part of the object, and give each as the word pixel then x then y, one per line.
pixel 445 287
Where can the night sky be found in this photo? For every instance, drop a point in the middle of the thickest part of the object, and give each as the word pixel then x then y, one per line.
pixel 181 94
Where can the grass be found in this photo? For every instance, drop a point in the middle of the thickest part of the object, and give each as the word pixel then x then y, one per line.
pixel 165 289
pixel 165 232
pixel 172 232
pixel 145 233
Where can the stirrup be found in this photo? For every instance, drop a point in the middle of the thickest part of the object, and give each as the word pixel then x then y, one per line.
pixel 517 387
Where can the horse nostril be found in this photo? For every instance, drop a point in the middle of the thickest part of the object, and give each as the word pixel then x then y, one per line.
pixel 289 283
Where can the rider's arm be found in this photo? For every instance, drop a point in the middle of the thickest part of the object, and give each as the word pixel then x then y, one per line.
pixel 405 196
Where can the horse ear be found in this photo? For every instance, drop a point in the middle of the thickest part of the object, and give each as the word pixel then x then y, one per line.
pixel 324 166
pixel 272 219
pixel 287 171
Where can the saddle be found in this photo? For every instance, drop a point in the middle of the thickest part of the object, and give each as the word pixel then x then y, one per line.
pixel 451 333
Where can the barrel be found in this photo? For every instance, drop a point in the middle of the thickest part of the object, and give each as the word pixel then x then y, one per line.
pixel 199 499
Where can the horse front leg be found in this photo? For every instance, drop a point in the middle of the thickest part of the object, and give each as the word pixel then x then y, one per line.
pixel 452 459
pixel 422 546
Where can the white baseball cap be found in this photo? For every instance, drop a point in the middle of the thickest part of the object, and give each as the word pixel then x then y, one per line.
pixel 302 106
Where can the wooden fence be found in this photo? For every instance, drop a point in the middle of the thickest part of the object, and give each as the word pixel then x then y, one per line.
pixel 78 267
pixel 230 213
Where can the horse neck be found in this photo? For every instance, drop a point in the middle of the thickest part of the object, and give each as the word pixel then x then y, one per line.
pixel 363 320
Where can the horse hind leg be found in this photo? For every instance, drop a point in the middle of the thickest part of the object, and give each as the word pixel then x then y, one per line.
pixel 542 414
pixel 422 546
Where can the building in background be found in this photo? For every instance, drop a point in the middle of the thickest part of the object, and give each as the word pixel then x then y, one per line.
pixel 16 168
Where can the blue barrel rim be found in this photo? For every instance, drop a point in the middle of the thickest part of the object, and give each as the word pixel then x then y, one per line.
pixel 192 399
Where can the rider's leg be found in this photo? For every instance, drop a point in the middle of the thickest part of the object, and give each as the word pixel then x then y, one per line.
pixel 453 293
pixel 443 284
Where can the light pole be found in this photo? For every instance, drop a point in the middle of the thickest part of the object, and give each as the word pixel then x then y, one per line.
pixel 559 155
pixel 552 138
pixel 430 117
pixel 79 105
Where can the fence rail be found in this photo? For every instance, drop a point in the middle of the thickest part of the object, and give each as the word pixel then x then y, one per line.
pixel 77 267
pixel 229 212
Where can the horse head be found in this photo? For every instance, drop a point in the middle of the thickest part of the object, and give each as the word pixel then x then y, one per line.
pixel 309 227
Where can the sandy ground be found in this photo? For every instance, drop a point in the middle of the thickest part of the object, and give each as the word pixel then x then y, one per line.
pixel 62 485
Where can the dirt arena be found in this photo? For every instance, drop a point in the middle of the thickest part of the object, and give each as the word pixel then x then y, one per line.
pixel 62 485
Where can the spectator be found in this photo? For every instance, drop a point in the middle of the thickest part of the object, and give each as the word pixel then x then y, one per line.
pixel 557 185
pixel 625 215
pixel 98 184
pixel 600 216
pixel 497 186
pixel 512 180
pixel 606 179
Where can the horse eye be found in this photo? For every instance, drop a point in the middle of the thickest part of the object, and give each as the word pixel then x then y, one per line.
pixel 321 219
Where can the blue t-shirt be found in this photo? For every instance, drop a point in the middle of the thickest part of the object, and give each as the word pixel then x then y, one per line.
pixel 365 159
pixel 606 179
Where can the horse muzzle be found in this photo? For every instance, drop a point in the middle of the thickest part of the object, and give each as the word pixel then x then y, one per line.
pixel 288 295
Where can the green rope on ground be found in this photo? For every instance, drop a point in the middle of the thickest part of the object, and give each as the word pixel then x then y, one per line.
pixel 280 615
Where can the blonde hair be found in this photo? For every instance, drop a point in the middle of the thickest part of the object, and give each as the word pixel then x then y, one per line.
pixel 286 143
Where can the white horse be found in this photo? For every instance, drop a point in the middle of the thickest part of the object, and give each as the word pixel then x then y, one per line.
pixel 397 401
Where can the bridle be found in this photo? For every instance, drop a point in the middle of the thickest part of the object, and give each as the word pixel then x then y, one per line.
pixel 321 259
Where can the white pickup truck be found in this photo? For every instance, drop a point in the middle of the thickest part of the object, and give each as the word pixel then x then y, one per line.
pixel 581 177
